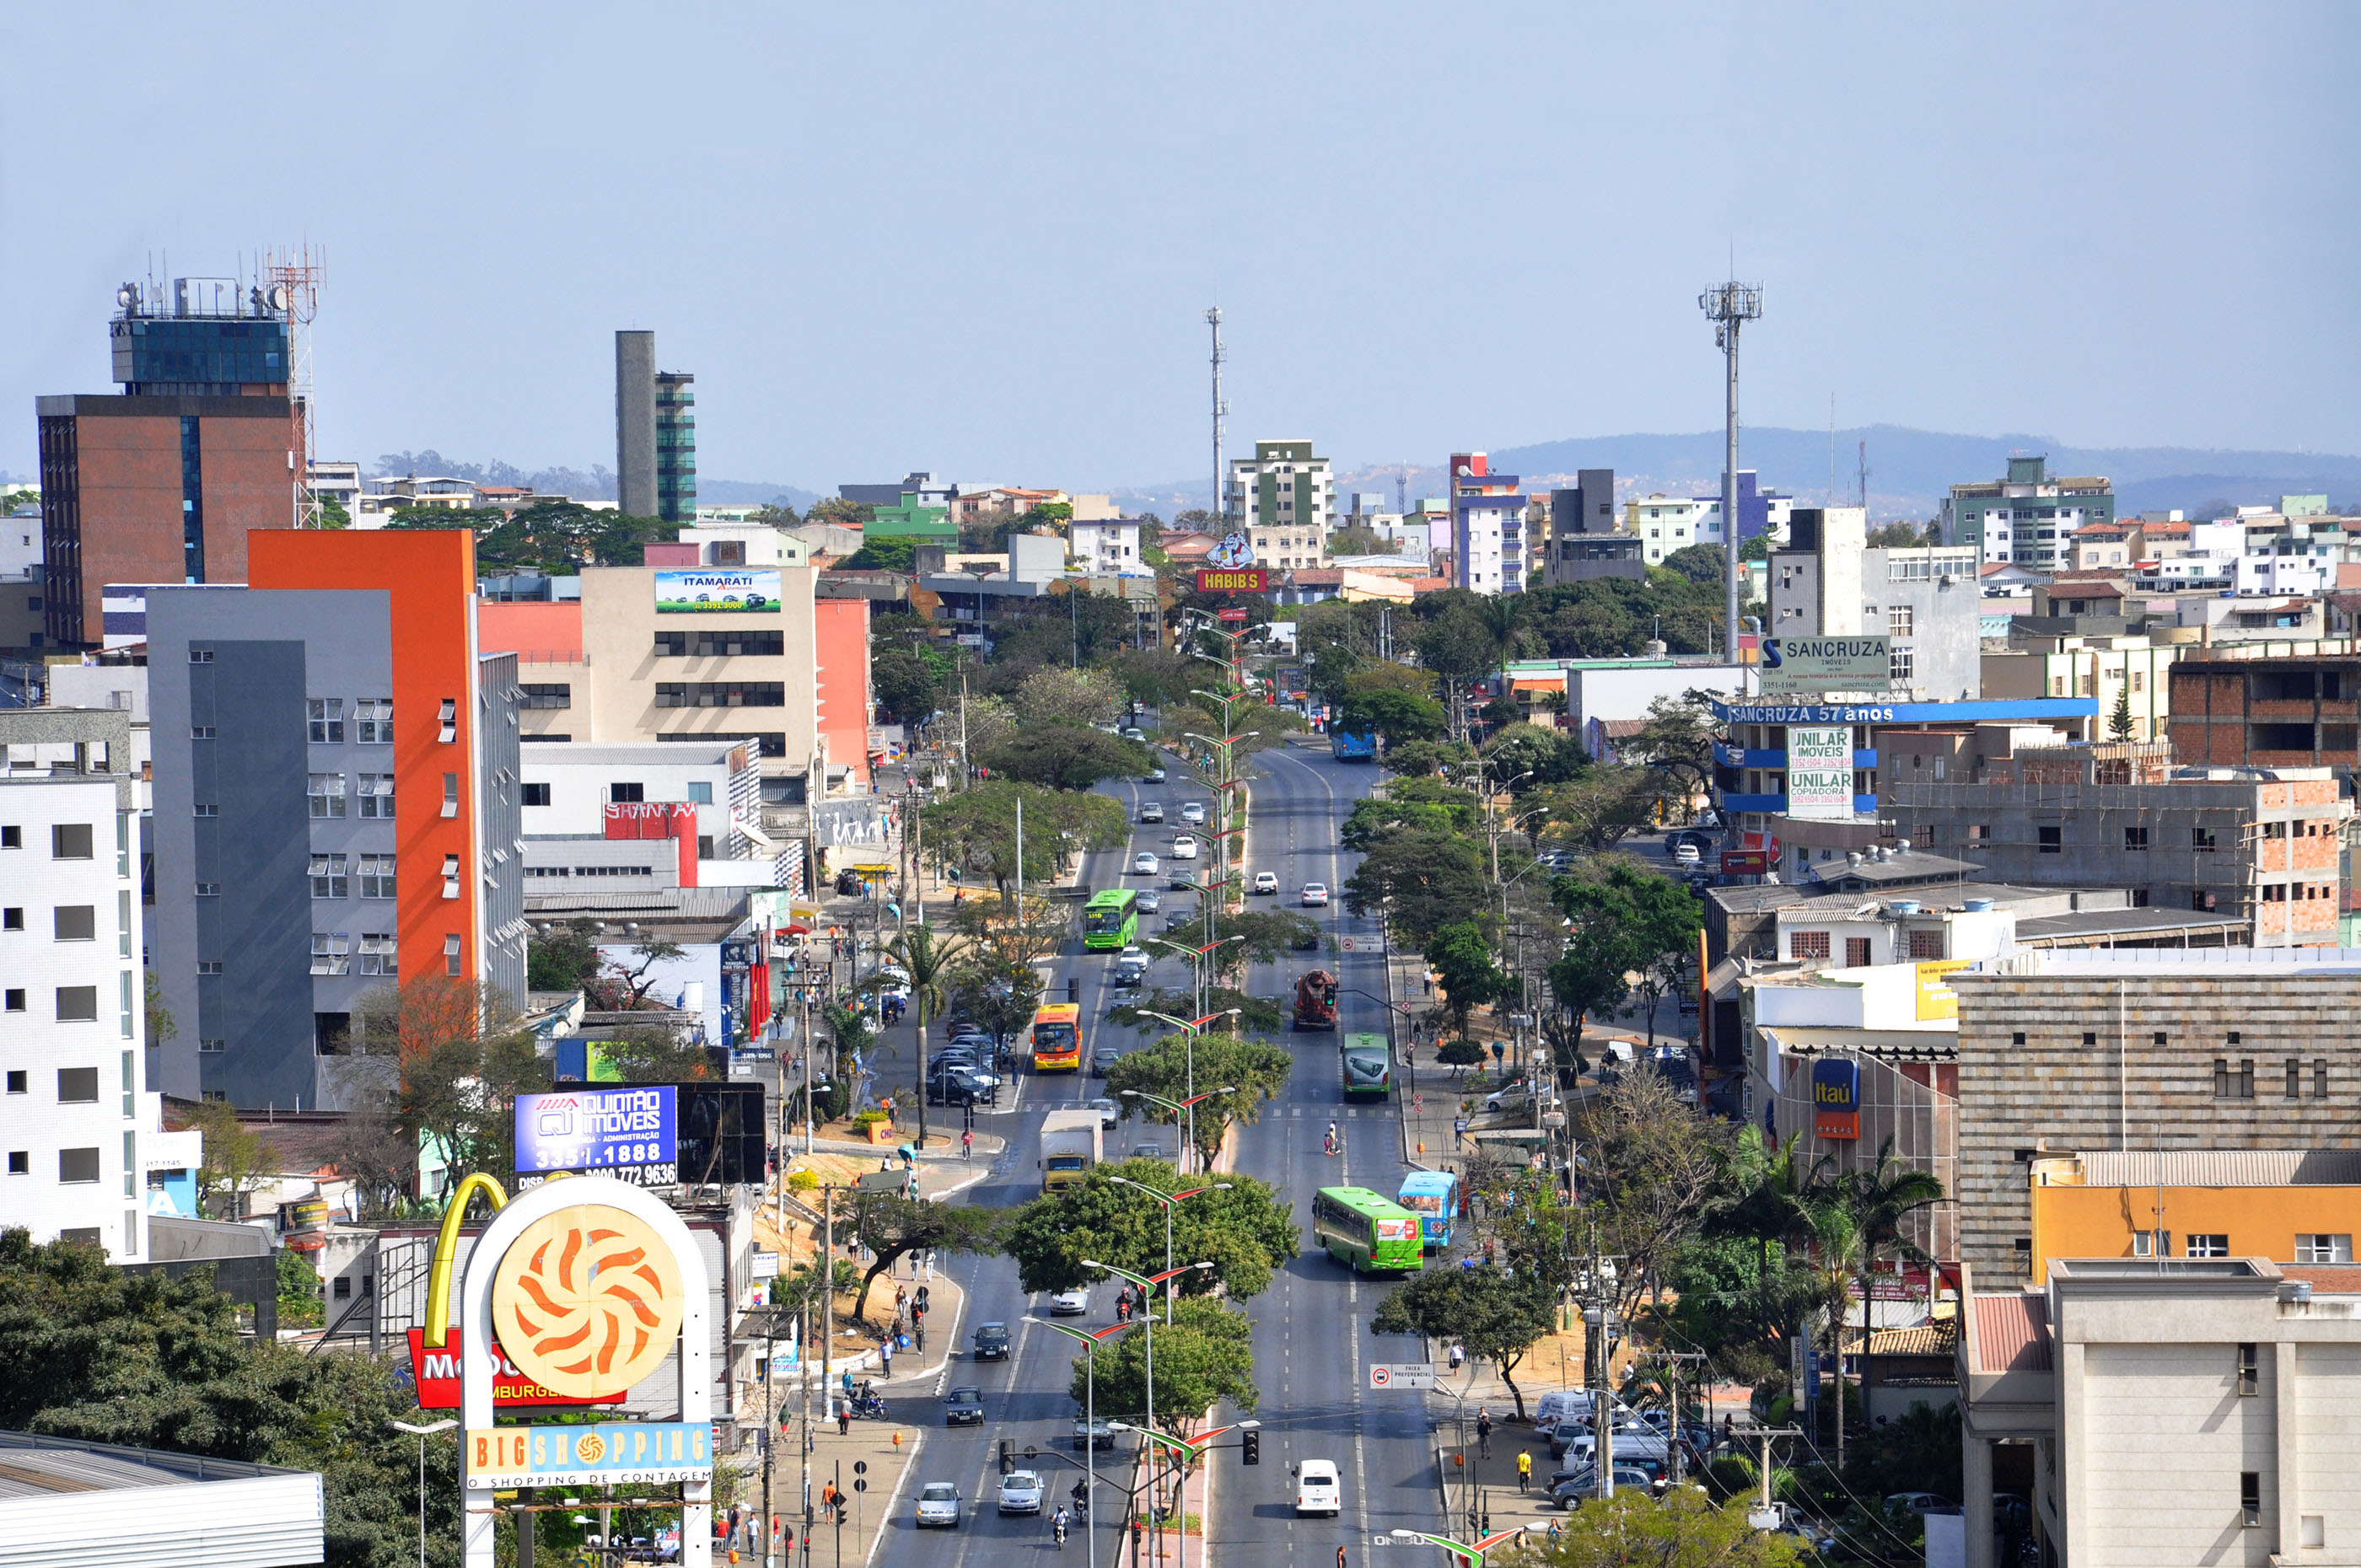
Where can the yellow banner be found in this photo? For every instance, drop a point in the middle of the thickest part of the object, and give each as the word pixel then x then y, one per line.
pixel 1937 1000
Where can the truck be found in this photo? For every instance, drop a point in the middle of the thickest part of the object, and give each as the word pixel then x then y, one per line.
pixel 1347 747
pixel 1315 1001
pixel 1070 1148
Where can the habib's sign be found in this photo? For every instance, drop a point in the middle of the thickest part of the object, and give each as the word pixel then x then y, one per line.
pixel 1233 580
pixel 436 1373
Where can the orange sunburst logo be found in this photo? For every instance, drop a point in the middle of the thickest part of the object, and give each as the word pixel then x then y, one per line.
pixel 588 1302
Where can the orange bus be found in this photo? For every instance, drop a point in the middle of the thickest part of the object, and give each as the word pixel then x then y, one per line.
pixel 1057 1038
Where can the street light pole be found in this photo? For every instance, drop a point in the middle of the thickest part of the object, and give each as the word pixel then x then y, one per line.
pixel 1147 1284
pixel 421 1433
pixel 1180 1108
pixel 1171 1201
pixel 1090 1425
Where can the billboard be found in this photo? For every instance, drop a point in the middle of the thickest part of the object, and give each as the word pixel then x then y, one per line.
pixel 435 1372
pixel 1825 663
pixel 1819 772
pixel 710 593
pixel 1233 580
pixel 1835 1098
pixel 626 1133
pixel 1744 862
pixel 628 1454
pixel 1937 1000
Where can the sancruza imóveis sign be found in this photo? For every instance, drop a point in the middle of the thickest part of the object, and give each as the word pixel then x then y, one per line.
pixel 626 1453
pixel 1826 664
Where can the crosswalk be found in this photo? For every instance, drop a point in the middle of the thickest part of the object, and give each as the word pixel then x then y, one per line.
pixel 1333 1112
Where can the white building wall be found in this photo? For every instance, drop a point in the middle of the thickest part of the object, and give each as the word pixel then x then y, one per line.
pixel 73 1106
pixel 2165 1436
pixel 1104 546
pixel 581 779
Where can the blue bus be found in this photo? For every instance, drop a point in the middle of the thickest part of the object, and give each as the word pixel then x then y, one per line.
pixel 1433 1197
pixel 1349 748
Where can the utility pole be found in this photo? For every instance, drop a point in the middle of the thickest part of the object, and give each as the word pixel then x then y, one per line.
pixel 1598 1324
pixel 902 936
pixel 1672 1359
pixel 1213 320
pixel 1729 306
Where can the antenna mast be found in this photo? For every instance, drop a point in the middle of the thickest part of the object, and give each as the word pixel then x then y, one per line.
pixel 1213 320
pixel 1863 471
pixel 1729 306
pixel 294 292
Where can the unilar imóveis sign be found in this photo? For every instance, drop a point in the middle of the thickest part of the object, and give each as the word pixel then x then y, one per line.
pixel 628 1133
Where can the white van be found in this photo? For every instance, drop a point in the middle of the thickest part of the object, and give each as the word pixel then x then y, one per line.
pixel 1315 1488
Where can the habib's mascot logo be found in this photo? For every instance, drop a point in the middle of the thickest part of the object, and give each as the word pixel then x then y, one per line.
pixel 588 1300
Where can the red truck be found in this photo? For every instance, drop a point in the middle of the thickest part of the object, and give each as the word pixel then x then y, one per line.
pixel 1315 1001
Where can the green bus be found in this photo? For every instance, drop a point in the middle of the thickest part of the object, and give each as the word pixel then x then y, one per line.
pixel 1111 919
pixel 1368 1063
pixel 1367 1230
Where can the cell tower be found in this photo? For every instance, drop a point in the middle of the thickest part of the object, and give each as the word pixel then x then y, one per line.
pixel 1729 306
pixel 1213 320
pixel 293 292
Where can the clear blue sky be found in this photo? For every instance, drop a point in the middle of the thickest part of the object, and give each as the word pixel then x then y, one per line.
pixel 980 238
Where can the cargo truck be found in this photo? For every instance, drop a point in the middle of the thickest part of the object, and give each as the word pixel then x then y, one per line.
pixel 1315 1001
pixel 1070 1148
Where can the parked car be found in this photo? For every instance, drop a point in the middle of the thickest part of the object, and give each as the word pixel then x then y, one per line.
pixel 1020 1492
pixel 1315 895
pixel 1579 1488
pixel 939 1505
pixel 1152 812
pixel 1193 811
pixel 963 1406
pixel 1144 863
pixel 1266 882
pixel 1686 854
pixel 992 1342
pixel 1134 733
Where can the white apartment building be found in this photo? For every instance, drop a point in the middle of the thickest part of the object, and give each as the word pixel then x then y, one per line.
pixel 1104 545
pixel 1283 486
pixel 78 1127
pixel 339 482
pixel 1665 523
pixel 1287 548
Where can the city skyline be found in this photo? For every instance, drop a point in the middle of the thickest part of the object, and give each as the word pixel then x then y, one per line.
pixel 1052 206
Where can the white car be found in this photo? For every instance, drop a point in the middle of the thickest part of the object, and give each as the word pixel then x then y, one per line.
pixel 1193 811
pixel 1184 847
pixel 1152 812
pixel 1266 882
pixel 1144 863
pixel 1134 733
pixel 1315 895
pixel 1154 775
pixel 1072 1303
pixel 1685 854
pixel 938 1506
pixel 1020 1492
pixel 1316 1490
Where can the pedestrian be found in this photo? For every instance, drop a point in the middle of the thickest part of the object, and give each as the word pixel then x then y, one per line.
pixel 902 1297
pixel 843 1422
pixel 967 1144
pixel 1524 1469
pixel 1458 1357
pixel 1459 1132
pixel 1483 1433
pixel 885 1357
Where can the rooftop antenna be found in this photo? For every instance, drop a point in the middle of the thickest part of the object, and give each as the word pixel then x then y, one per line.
pixel 1729 306
pixel 293 294
pixel 1213 320
pixel 1401 491
pixel 1861 470
pixel 1832 451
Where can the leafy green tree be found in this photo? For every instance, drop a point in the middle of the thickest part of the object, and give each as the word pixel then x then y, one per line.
pixel 565 959
pixel 1626 920
pixel 1461 956
pixel 1880 1200
pixel 1495 1315
pixel 1244 1233
pixel 1703 563
pixel 1600 807
pixel 1551 756
pixel 1069 696
pixel 1653 1170
pixel 907 686
pixel 1066 756
pixel 1206 1357
pixel 1426 880
pixel 887 555
pixel 1683 1529
pixel 1419 759
pixel 1257 1014
pixel 1898 536
pixel 160 1025
pixel 1919 1451
pixel 623 984
pixel 975 829
pixel 891 1227
pixel 1459 1053
pixel 1395 715
pixel 299 1293
pixel 1772 1196
pixel 1254 937
pixel 1401 808
pixel 1251 1070
pixel 657 1054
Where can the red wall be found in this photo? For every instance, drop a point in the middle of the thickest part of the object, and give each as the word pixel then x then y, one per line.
pixel 550 631
pixel 840 635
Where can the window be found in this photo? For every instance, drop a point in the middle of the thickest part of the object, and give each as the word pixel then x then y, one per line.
pixel 328 878
pixel 373 722
pixel 378 953
pixel 2250 1498
pixel 377 876
pixel 2052 837
pixel 2323 1248
pixel 201 656
pixel 203 732
pixel 332 952
pixel 1925 947
pixel 77 1004
pixel 700 792
pixel 448 720
pixel 1979 833
pixel 17 1080
pixel 1897 621
pixel 2234 1080
pixel 627 794
pixel 212 1047
pixel 2320 1078
pixel 721 694
pixel 2151 1244
pixel 2089 1036
pixel 344 1289
pixel 2136 839
pixel 450 795
pixel 205 808
pixel 209 966
pixel 2200 839
pixel 547 695
pixel 2022 1249
pixel 326 791
pixel 450 954
pixel 12 838
pixel 376 792
pixel 2209 1246
pixel 20 1162
pixel 1807 944
pixel 1856 952
pixel 70 841
pixel 75 922
pixel 77 1085
pixel 536 794
pixel 1900 666
pixel 2294 1079
pixel 742 644
pixel 77 1166
pixel 450 876
pixel 327 720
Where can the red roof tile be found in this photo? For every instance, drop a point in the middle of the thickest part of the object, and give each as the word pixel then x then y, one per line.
pixel 2013 1333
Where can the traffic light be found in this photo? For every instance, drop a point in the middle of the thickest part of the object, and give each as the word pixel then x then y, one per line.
pixel 1250 1447
pixel 1007 1455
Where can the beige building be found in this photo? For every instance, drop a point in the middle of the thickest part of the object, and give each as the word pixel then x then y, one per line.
pixel 2107 668
pixel 2178 1410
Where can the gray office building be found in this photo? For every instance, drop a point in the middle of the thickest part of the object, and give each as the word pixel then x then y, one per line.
pixel 635 422
pixel 1928 600
pixel 1585 538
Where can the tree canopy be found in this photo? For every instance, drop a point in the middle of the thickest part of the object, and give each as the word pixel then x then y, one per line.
pixel 1206 1357
pixel 1251 1070
pixel 1244 1233
pixel 1495 1315
pixel 975 829
pixel 1066 756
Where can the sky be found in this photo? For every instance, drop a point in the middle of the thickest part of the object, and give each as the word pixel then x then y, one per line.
pixel 981 239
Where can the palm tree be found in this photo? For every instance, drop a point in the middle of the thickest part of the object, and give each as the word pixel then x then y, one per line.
pixel 1776 1195
pixel 1881 1198
pixel 929 959
pixel 1501 615
pixel 1839 1259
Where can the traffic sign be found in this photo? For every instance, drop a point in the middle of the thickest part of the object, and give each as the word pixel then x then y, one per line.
pixel 1412 1374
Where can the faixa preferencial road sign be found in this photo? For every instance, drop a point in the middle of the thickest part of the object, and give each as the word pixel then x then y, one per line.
pixel 1412 1374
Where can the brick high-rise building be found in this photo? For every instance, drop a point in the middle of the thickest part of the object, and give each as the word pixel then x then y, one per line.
pixel 160 483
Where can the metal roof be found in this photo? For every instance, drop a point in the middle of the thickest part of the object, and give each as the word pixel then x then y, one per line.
pixel 2012 1333
pixel 2222 1167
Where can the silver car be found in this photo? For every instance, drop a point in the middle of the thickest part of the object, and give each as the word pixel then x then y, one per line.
pixel 938 1506
pixel 1020 1492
